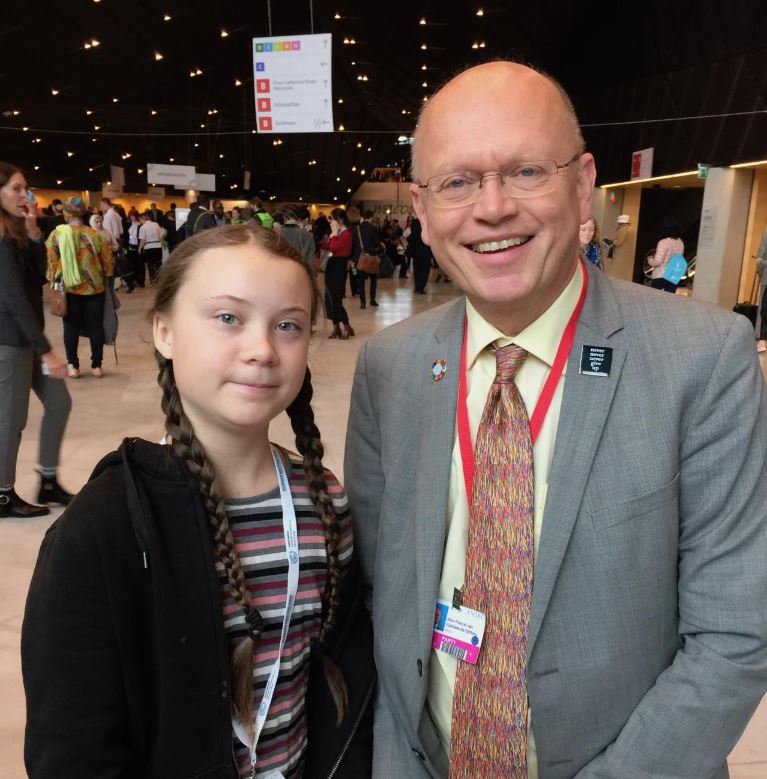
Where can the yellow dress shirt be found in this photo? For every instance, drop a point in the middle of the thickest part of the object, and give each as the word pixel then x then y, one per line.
pixel 541 340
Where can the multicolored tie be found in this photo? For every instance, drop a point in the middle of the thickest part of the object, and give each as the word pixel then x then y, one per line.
pixel 489 726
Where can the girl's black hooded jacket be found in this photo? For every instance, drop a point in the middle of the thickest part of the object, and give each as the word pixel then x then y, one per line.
pixel 124 654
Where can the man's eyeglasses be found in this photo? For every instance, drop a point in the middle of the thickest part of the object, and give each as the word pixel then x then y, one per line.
pixel 527 178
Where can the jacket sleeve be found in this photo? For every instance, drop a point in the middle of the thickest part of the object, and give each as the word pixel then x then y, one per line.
pixel 689 721
pixel 661 255
pixel 340 245
pixel 77 722
pixel 14 299
pixel 363 471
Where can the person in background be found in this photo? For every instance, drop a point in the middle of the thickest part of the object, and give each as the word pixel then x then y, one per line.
pixel 237 216
pixel 339 243
pixel 353 215
pixel 670 243
pixel 199 218
pixel 51 221
pixel 278 219
pixel 218 213
pixel 150 245
pixel 421 255
pixel 761 269
pixel 112 222
pixel 170 227
pixel 293 232
pixel 591 248
pixel 96 222
pixel 155 214
pixel 320 228
pixel 27 361
pixel 135 261
pixel 77 256
pixel 366 240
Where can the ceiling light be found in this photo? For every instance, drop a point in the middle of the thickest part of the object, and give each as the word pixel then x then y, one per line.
pixel 237 82
pixel 475 45
pixel 96 127
pixel 424 46
pixel 349 190
pixel 87 46
pixel 157 56
pixel 221 156
pixel 354 63
pixel 335 198
pixel 482 45
pixel 37 140
pixel 172 159
pixel 341 128
pixel 425 99
pixel 90 170
pixel 54 91
pixel 70 154
pixel 346 41
pixel 167 18
pixel 126 156
pixel 88 112
pixel 354 167
pixel 359 144
pixel 202 124
pixel 140 170
pixel 362 172
pixel 369 149
pixel 37 167
pixel 480 12
pixel 95 43
pixel 423 20
pixel 196 145
pixel 423 67
pixel 59 182
pixel 338 178
pixel 25 129
pixel 425 84
pixel 153 112
pixel 94 140
pixel 115 99
pixel 340 100
pixel 337 16
pixel 224 34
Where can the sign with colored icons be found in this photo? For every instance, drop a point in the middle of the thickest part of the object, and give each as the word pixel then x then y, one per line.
pixel 293 84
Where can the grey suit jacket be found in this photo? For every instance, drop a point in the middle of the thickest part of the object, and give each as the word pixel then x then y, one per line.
pixel 647 650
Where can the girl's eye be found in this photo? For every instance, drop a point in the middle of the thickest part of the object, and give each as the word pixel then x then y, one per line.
pixel 227 319
pixel 288 327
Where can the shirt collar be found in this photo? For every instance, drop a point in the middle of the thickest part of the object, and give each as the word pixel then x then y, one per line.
pixel 540 338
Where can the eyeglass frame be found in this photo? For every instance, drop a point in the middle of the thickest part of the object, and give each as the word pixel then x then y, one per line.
pixel 533 193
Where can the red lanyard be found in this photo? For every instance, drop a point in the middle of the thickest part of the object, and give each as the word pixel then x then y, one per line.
pixel 544 401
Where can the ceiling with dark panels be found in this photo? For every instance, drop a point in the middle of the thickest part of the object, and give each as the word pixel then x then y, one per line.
pixel 635 63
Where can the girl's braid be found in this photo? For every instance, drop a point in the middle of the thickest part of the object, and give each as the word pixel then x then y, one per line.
pixel 186 445
pixel 309 445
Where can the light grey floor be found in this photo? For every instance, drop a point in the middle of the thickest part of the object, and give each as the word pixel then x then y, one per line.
pixel 126 402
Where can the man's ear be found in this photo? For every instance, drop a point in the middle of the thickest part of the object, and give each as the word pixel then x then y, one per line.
pixel 163 336
pixel 586 178
pixel 416 195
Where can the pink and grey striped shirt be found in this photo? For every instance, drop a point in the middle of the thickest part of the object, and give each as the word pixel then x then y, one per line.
pixel 257 528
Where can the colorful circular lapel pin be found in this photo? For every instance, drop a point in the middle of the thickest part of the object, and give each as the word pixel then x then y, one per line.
pixel 438 370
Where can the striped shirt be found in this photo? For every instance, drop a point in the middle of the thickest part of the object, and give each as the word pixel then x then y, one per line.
pixel 258 534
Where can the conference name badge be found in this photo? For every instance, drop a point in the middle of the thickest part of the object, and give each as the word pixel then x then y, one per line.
pixel 458 632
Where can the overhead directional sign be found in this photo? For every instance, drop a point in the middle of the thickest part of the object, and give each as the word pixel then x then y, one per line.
pixel 293 84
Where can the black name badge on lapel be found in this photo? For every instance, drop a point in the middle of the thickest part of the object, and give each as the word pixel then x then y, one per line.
pixel 596 360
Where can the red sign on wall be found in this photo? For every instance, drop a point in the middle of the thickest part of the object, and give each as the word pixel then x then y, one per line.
pixel 262 85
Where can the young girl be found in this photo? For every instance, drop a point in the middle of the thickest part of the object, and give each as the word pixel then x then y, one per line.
pixel 196 612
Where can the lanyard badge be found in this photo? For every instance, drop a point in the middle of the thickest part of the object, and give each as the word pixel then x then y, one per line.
pixel 290 530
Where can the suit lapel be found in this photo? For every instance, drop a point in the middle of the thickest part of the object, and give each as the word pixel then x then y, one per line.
pixel 437 402
pixel 586 404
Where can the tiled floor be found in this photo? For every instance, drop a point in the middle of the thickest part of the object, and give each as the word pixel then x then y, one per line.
pixel 126 402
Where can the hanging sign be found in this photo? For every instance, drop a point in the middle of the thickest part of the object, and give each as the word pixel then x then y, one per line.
pixel 293 84
pixel 641 164
pixel 179 176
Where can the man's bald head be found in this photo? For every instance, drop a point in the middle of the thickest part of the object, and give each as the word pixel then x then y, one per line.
pixel 499 77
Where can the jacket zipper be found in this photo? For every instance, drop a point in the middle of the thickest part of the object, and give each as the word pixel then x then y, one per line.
pixel 357 722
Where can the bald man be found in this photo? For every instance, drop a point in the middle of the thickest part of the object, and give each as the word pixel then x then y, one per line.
pixel 564 536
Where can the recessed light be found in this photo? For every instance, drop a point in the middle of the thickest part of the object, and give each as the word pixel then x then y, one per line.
pixel 338 178
pixel 70 154
pixel 341 128
pixel 172 159
pixel 224 34
pixel 340 100
pixel 337 16
pixel 424 47
pixel 54 91
pixel 354 167
pixel 153 112
pixel 115 99
pixel 480 12
pixel 196 145
pixel 59 182
pixel 157 56
pixel 88 112
pixel 423 20
pixel 221 156
pixel 140 170
pixel 96 127
pixel 26 129
pixel 237 82
pixel 359 144
pixel 362 172
pixel 167 18
pixel 425 84
pixel 37 167
pixel 349 190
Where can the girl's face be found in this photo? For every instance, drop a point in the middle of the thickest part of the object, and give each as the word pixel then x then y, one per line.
pixel 98 222
pixel 238 336
pixel 587 232
pixel 13 196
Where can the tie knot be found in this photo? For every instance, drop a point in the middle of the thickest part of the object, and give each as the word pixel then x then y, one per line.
pixel 508 360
